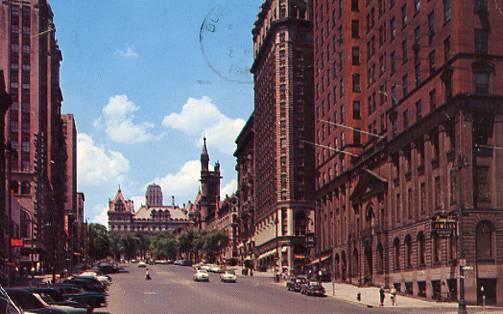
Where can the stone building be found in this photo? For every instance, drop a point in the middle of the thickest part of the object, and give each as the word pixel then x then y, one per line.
pixel 283 125
pixel 409 111
pixel 122 216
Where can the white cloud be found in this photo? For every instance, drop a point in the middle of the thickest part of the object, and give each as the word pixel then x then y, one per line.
pixel 138 201
pixel 98 166
pixel 183 184
pixel 101 217
pixel 201 117
pixel 230 188
pixel 128 53
pixel 117 118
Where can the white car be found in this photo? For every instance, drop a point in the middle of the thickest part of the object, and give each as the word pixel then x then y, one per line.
pixel 215 269
pixel 142 264
pixel 205 267
pixel 106 280
pixel 228 276
pixel 201 275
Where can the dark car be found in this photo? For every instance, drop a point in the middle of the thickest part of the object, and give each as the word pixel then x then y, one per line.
pixel 186 262
pixel 75 293
pixel 86 284
pixel 295 283
pixel 106 268
pixel 53 297
pixel 8 307
pixel 27 301
pixel 312 288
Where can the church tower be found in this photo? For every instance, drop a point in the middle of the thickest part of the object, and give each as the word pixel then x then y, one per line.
pixel 210 188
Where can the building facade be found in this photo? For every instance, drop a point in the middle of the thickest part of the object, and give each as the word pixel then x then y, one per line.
pixel 208 199
pixel 408 107
pixel 283 120
pixel 226 220
pixel 245 193
pixel 122 216
pixel 30 57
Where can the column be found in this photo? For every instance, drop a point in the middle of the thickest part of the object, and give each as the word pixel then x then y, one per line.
pixel 428 174
pixel 414 180
pixel 443 147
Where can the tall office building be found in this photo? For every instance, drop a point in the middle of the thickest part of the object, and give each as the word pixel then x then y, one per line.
pixel 283 120
pixel 153 195
pixel 30 58
pixel 408 98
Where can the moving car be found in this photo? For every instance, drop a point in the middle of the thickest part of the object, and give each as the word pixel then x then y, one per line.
pixel 215 269
pixel 295 283
pixel 75 293
pixel 142 264
pixel 33 302
pixel 201 275
pixel 312 288
pixel 228 276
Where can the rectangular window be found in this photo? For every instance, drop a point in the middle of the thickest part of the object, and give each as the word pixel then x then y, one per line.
pixel 481 83
pixel 380 6
pixel 452 194
pixel 355 29
pixel 417 70
pixel 382 64
pixel 405 118
pixel 356 82
pixel 394 99
pixel 431 61
pixel 356 136
pixel 431 26
pixel 417 37
pixel 354 5
pixel 437 193
pixel 409 203
pixel 480 6
pixel 398 208
pixel 417 6
pixel 404 51
pixel 356 110
pixel 405 86
pixel 392 28
pixel 418 110
pixel 447 10
pixel 404 16
pixel 482 182
pixel 393 62
pixel 423 198
pixel 433 99
pixel 447 49
pixel 481 40
pixel 356 55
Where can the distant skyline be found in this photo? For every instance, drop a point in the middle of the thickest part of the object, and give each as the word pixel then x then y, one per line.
pixel 146 80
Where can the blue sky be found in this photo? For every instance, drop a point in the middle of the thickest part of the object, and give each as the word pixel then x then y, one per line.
pixel 146 80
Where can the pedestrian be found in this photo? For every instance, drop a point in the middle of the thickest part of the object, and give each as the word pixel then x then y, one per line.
pixel 381 296
pixel 393 296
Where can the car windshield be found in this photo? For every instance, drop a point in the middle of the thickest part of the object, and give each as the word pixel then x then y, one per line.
pixel 230 272
pixel 202 271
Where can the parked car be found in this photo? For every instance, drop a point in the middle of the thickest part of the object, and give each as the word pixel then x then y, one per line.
pixel 161 261
pixel 53 297
pixel 7 305
pixel 228 276
pixel 106 268
pixel 215 269
pixel 295 283
pixel 205 267
pixel 86 284
pixel 75 293
pixel 325 276
pixel 134 261
pixel 312 288
pixel 186 262
pixel 201 275
pixel 33 302
pixel 142 264
pixel 105 280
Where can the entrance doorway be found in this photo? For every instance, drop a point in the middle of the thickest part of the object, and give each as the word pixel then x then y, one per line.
pixel 489 291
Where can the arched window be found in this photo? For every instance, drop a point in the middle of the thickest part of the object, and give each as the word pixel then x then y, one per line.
pixel 421 248
pixel 485 241
pixel 25 188
pixel 396 249
pixel 408 251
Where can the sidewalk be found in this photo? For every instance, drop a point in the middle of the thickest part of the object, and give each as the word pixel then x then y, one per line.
pixel 370 298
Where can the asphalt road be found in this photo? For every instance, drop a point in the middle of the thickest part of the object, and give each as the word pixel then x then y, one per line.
pixel 172 290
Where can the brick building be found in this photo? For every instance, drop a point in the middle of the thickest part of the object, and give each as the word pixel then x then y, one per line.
pixel 408 101
pixel 283 120
pixel 30 58
pixel 225 220
pixel 245 170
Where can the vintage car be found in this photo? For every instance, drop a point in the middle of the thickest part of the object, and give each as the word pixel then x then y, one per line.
pixel 295 283
pixel 312 288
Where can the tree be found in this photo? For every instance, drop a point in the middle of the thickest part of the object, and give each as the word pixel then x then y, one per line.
pixel 99 241
pixel 215 242
pixel 164 246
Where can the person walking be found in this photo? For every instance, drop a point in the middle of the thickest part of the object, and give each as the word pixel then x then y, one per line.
pixel 393 296
pixel 381 296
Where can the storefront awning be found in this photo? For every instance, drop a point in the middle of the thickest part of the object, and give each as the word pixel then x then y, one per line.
pixel 267 254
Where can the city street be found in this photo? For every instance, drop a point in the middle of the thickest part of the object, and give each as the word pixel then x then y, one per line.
pixel 172 290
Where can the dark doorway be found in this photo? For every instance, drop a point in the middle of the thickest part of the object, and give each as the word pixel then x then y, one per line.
pixel 489 291
pixel 437 289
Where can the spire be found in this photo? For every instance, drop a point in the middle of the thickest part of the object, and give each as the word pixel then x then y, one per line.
pixel 119 189
pixel 205 158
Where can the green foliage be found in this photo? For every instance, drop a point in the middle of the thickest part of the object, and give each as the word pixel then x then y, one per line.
pixel 164 246
pixel 99 242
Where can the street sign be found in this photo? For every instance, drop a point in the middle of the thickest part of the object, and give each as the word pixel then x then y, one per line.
pixel 443 225
pixel 16 242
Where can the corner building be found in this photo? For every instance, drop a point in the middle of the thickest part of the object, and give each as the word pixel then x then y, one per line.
pixel 411 93
pixel 283 121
